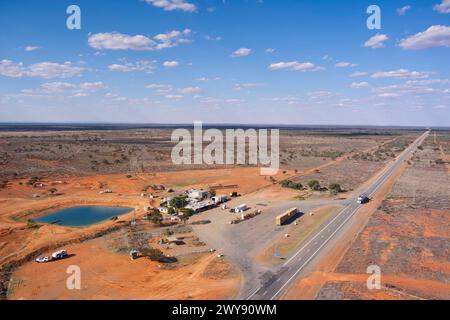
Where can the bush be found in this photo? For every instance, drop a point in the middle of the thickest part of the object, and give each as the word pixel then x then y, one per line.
pixel 212 192
pixel 335 188
pixel 155 217
pixel 292 185
pixel 188 212
pixel 178 202
pixel 31 224
pixel 153 254
pixel 314 185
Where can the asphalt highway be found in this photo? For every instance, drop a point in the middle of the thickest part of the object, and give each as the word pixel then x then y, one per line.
pixel 316 242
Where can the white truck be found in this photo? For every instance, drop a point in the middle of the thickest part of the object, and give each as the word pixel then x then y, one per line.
pixel 219 199
pixel 241 208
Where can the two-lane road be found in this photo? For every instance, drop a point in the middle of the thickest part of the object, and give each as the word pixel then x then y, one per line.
pixel 316 242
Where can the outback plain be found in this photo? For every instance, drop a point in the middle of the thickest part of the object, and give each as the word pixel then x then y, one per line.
pixel 213 254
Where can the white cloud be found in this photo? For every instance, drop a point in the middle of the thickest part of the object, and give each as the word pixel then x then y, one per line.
pixel 210 38
pixel 293 66
pixel 359 85
pixel 270 50
pixel 443 7
pixel 359 74
pixel 401 74
pixel 170 5
pixel 241 52
pixel 388 95
pixel 234 100
pixel 46 70
pixel 160 88
pixel 377 41
pixel 139 66
pixel 167 88
pixel 208 79
pixel 174 96
pixel 9 68
pixel 119 41
pixel 172 38
pixel 402 11
pixel 57 86
pixel 31 48
pixel 428 82
pixel 79 95
pixel 78 90
pixel 53 70
pixel 290 100
pixel 318 95
pixel 434 36
pixel 171 64
pixel 345 65
pixel 248 85
pixel 190 90
pixel 92 86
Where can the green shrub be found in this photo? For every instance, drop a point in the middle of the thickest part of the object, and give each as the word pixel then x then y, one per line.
pixel 314 185
pixel 292 185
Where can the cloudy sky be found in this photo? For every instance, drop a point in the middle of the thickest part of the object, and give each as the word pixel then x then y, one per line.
pixel 223 61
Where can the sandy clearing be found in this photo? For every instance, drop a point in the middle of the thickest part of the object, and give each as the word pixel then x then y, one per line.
pixel 118 277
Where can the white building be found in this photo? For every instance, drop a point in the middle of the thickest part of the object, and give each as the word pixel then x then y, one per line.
pixel 197 194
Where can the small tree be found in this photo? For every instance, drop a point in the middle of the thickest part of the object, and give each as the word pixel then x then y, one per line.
pixel 314 185
pixel 187 214
pixel 178 202
pixel 152 253
pixel 31 224
pixel 335 188
pixel 292 185
pixel 155 217
pixel 212 192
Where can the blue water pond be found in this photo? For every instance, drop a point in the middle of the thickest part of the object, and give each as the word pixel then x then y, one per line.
pixel 82 216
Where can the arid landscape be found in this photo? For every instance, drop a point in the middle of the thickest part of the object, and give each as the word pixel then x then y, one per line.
pixel 201 159
pixel 205 257
pixel 407 236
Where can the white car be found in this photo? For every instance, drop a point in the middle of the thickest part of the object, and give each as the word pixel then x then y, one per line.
pixel 59 254
pixel 42 259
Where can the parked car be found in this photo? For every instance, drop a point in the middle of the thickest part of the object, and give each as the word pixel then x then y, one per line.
pixel 42 259
pixel 59 254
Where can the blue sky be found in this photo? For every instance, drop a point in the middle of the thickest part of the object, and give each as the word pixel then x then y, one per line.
pixel 176 61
